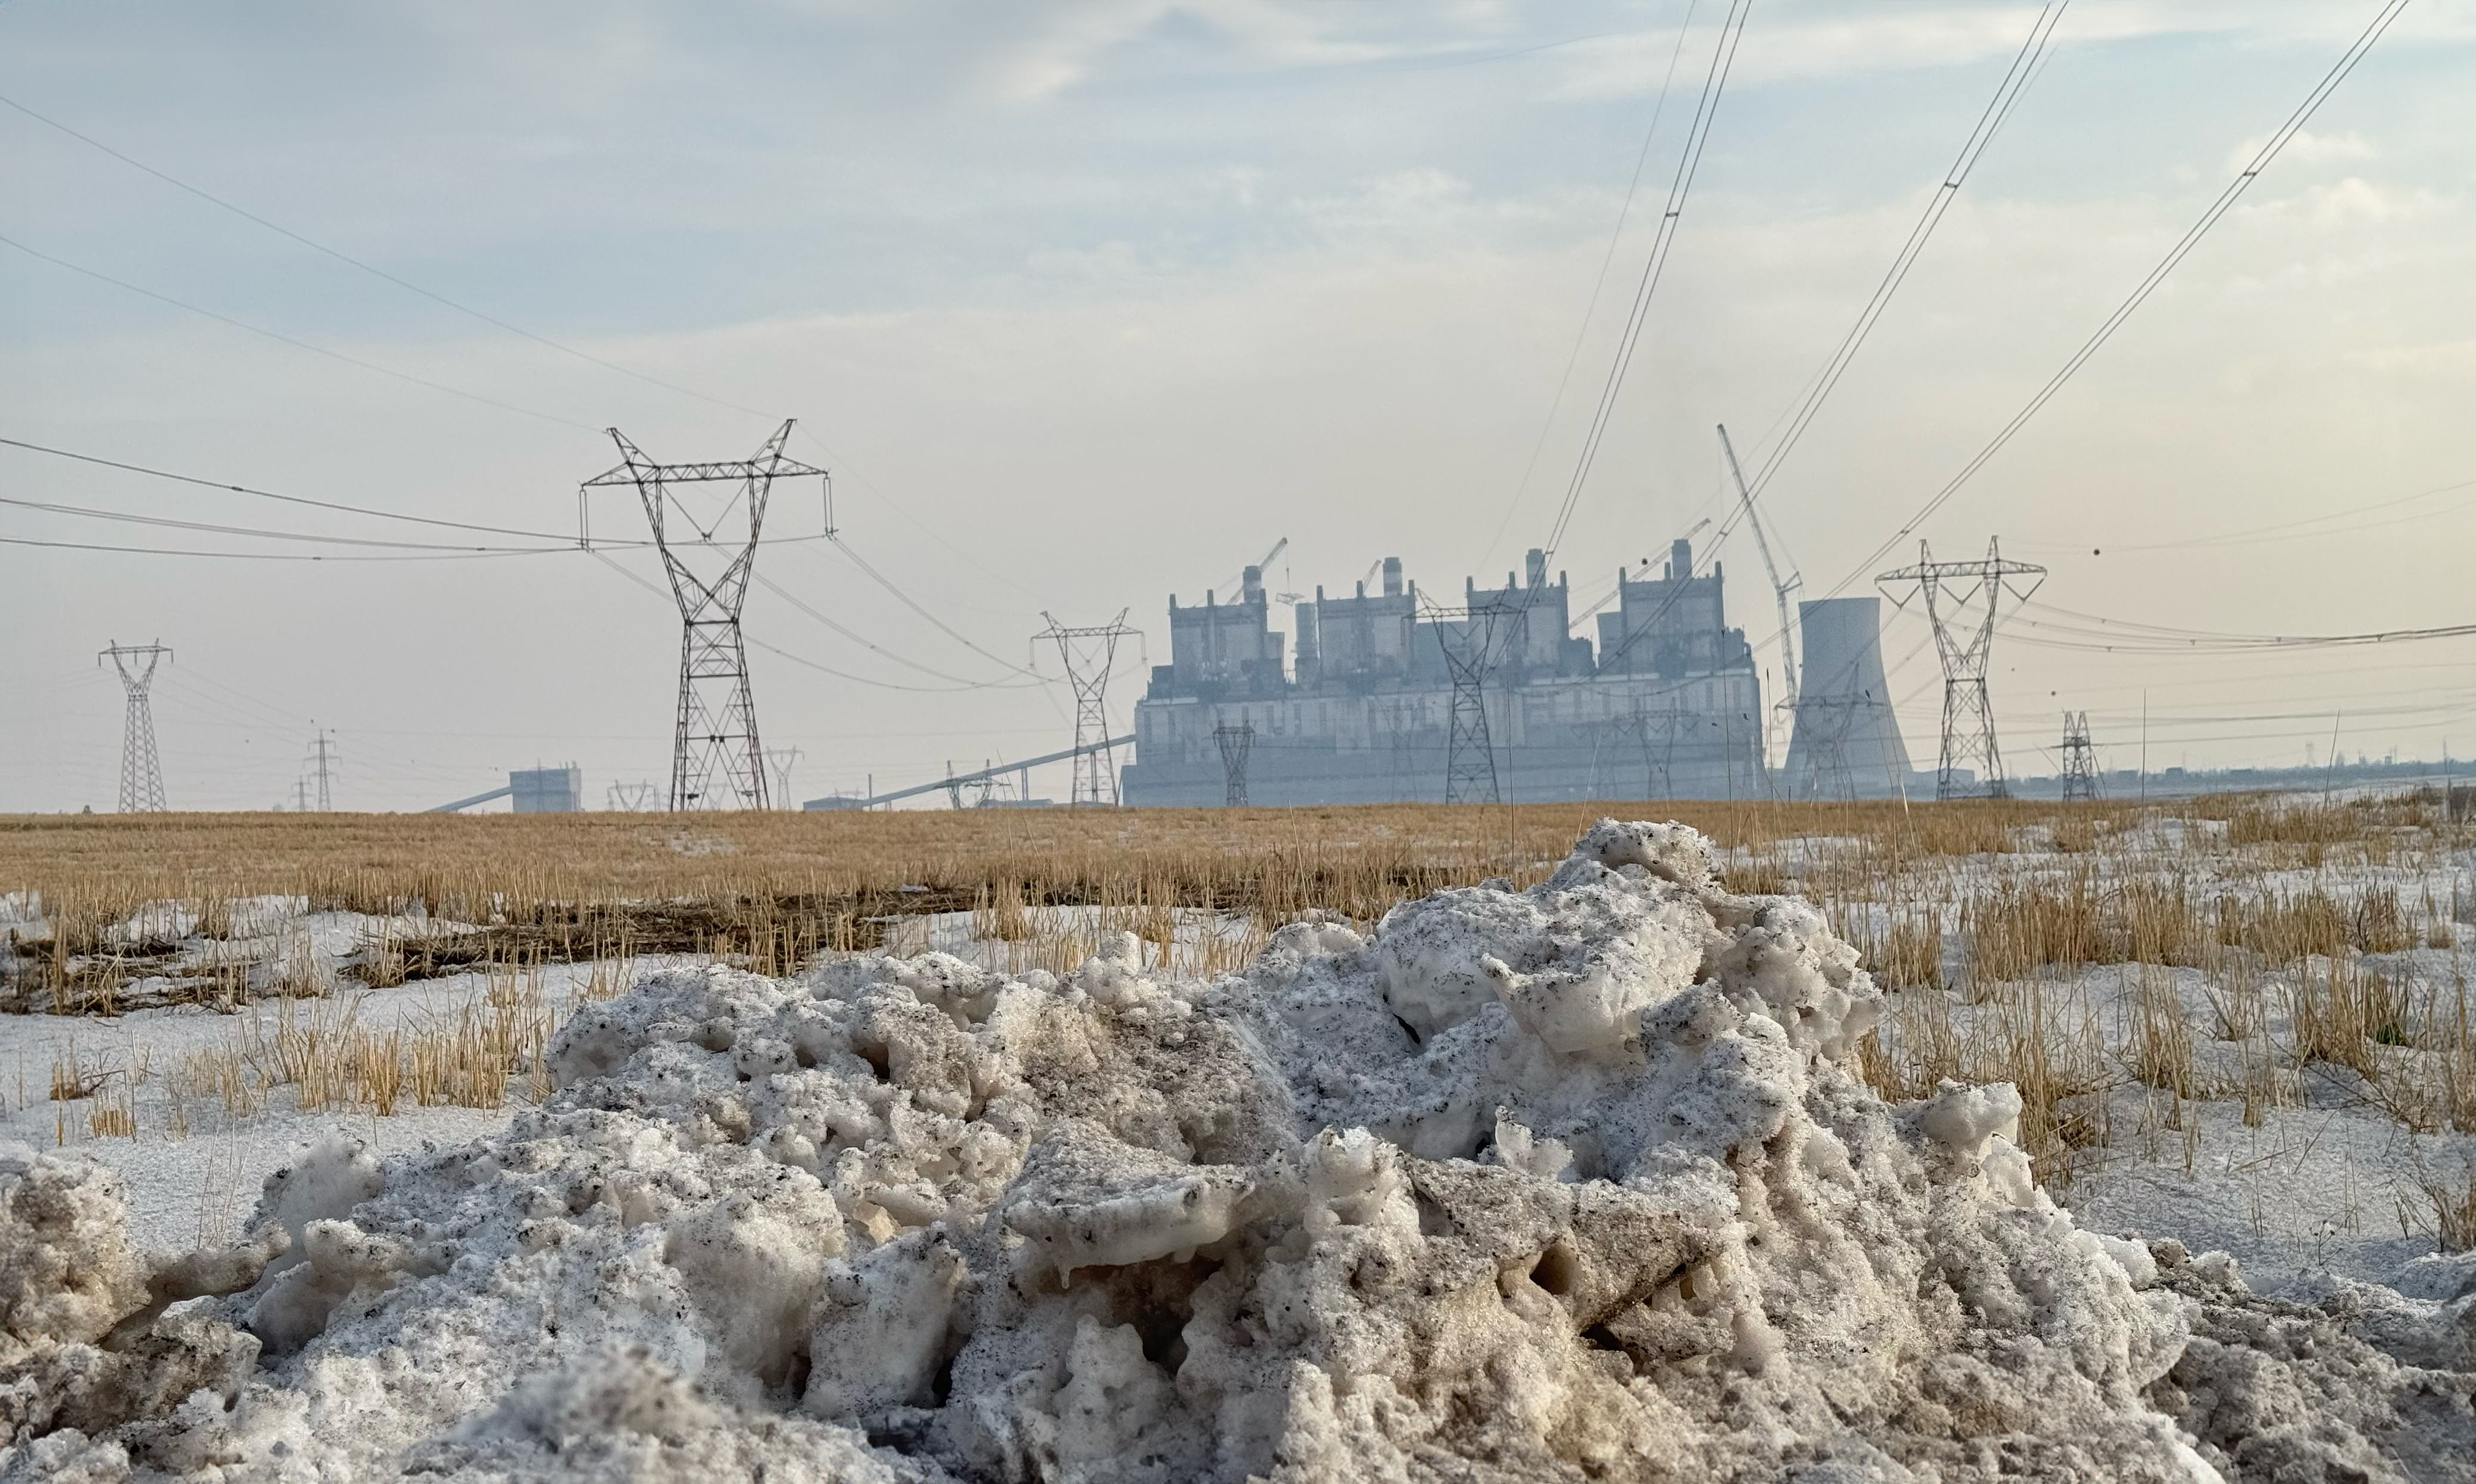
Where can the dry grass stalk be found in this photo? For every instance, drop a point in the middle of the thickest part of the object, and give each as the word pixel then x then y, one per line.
pixel 2162 1055
pixel 2454 1208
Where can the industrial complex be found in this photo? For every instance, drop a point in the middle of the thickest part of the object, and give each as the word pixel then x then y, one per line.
pixel 1663 702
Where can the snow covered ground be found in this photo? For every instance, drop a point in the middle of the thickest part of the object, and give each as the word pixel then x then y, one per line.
pixel 1582 1181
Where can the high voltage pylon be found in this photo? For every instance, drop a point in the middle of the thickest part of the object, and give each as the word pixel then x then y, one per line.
pixel 1089 654
pixel 1964 638
pixel 141 769
pixel 2080 759
pixel 1826 723
pixel 1235 743
pixel 716 759
pixel 782 760
pixel 1470 756
pixel 1656 732
pixel 322 753
pixel 633 797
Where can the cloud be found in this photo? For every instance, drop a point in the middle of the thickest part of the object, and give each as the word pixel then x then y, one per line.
pixel 2305 148
pixel 1075 43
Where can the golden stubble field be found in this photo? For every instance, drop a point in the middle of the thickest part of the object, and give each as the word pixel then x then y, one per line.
pixel 2210 949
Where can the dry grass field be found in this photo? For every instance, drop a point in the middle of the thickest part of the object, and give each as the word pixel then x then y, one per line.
pixel 783 886
pixel 736 869
pixel 2238 950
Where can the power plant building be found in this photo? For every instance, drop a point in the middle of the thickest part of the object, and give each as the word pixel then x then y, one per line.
pixel 1666 703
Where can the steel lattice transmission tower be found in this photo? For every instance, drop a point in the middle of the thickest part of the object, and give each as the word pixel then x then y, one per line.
pixel 1235 743
pixel 1468 637
pixel 2080 759
pixel 1828 721
pixel 141 769
pixel 716 759
pixel 1962 600
pixel 1089 654
pixel 323 754
pixel 783 759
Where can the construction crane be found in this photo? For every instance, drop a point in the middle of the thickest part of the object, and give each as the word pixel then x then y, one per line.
pixel 1239 582
pixel 1795 579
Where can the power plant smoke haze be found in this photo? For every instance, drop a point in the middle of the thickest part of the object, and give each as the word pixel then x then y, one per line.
pixel 1087 305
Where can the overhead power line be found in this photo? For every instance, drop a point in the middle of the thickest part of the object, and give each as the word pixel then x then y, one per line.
pixel 798 659
pixel 268 494
pixel 2096 631
pixel 1998 109
pixel 940 623
pixel 434 296
pixel 794 599
pixel 1801 413
pixel 1591 310
pixel 2312 528
pixel 92 513
pixel 1714 82
pixel 172 551
pixel 2226 199
pixel 298 344
pixel 565 541
pixel 372 269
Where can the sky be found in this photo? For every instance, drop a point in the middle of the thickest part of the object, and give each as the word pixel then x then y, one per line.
pixel 1089 303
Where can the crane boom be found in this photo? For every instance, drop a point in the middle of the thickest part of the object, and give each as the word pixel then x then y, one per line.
pixel 1780 589
pixel 1278 547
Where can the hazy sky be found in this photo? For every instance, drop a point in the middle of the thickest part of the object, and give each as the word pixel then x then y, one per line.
pixel 1093 301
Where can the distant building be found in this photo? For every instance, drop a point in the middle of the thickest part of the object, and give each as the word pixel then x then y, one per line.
pixel 547 790
pixel 1668 704
pixel 1227 649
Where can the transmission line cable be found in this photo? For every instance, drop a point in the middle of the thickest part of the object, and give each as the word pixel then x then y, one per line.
pixel 372 269
pixel 171 551
pixel 941 625
pixel 793 599
pixel 2117 634
pixel 797 659
pixel 1998 109
pixel 298 344
pixel 565 541
pixel 1590 310
pixel 899 508
pixel 92 513
pixel 428 294
pixel 1801 413
pixel 1714 81
pixel 268 494
pixel 2300 529
pixel 2226 199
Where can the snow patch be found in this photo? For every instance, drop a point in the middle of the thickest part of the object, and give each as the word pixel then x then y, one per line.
pixel 1570 1182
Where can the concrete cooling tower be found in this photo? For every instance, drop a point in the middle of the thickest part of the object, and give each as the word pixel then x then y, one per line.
pixel 1846 742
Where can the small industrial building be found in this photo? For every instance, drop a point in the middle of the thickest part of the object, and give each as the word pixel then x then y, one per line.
pixel 1665 704
pixel 531 791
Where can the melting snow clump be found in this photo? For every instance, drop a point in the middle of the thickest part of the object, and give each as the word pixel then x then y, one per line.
pixel 1572 1183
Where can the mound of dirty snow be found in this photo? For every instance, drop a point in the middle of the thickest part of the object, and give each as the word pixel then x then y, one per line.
pixel 1570 1183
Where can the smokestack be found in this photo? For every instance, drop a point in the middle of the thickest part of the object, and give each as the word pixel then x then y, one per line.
pixel 1392 577
pixel 1251 586
pixel 1537 563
